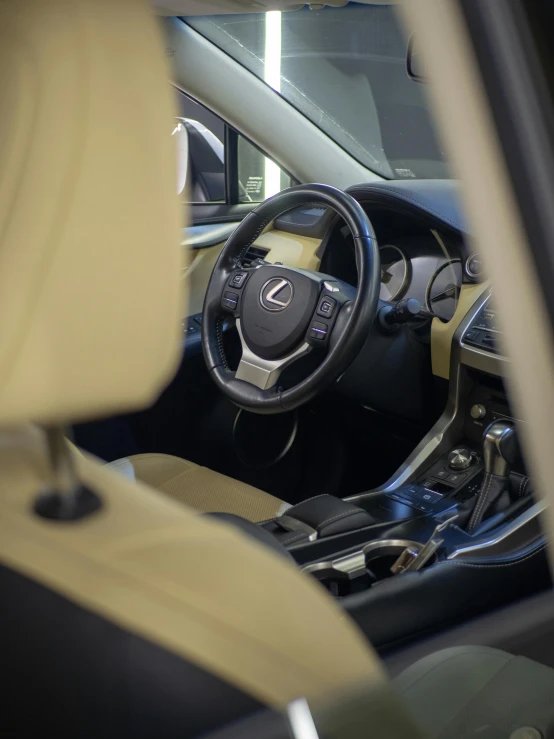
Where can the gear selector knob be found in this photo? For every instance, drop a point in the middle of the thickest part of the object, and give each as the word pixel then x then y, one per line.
pixel 500 448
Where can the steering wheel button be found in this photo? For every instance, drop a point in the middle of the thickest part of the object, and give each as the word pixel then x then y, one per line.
pixel 326 307
pixel 318 330
pixel 238 280
pixel 230 301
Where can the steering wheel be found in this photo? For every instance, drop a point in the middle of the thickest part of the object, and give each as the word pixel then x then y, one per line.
pixel 283 314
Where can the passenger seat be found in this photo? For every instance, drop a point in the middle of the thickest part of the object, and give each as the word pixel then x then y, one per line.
pixel 200 488
pixel 479 692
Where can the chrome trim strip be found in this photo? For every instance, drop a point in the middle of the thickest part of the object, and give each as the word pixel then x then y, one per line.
pixel 448 428
pixel 522 524
pixel 493 364
pixel 354 564
pixel 431 446
pixel 289 523
pixel 472 356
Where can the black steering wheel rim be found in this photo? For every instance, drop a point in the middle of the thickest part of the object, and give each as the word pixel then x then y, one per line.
pixel 352 323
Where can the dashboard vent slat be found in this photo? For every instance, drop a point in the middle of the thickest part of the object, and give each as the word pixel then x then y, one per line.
pixel 254 252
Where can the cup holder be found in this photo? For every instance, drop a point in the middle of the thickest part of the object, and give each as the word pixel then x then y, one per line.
pixel 361 570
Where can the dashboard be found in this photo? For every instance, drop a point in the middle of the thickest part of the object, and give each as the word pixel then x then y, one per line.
pixel 425 264
pixel 425 254
pixel 434 280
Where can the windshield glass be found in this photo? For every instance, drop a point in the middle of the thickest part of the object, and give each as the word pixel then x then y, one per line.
pixel 345 69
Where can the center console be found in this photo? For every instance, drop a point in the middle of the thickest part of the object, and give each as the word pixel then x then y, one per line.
pixel 456 531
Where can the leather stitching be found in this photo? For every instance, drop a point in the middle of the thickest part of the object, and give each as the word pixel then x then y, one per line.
pixel 493 566
pixel 219 336
pixel 321 495
pixel 480 503
pixel 523 486
pixel 337 518
pixel 476 516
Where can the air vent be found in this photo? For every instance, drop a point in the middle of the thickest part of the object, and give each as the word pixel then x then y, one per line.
pixel 254 252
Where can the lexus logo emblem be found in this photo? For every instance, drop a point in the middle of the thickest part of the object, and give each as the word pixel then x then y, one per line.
pixel 276 294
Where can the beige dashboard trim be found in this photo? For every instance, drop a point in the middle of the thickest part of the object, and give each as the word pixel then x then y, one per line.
pixel 291 249
pixel 443 333
pixel 198 275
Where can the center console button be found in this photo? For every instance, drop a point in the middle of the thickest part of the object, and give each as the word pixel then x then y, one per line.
pixel 442 474
pixel 478 411
pixel 457 478
pixel 472 335
pixel 428 496
pixel 425 506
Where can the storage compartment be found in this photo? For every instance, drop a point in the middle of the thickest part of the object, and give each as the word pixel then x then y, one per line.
pixel 361 570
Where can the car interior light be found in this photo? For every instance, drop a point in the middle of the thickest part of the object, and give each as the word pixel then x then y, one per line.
pixel 272 75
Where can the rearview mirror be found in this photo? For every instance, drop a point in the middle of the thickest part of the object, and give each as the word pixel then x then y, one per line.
pixel 413 61
pixel 181 136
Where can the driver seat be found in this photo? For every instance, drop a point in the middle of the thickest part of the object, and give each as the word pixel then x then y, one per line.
pixel 200 488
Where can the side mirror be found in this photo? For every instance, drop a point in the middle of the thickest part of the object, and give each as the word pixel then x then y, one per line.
pixel 413 61
pixel 181 136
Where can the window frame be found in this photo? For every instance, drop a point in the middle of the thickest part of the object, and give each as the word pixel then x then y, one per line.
pixel 230 163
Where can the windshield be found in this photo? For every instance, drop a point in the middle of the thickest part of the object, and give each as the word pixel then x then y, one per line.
pixel 345 69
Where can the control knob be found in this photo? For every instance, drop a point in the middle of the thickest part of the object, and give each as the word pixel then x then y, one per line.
pixel 460 459
pixel 478 411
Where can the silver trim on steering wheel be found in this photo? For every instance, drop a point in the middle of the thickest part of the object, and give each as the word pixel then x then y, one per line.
pixel 264 373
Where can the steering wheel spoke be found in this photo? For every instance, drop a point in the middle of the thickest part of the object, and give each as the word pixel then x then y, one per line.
pixel 333 295
pixel 264 373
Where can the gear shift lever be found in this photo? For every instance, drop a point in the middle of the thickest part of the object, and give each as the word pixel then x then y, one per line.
pixel 500 450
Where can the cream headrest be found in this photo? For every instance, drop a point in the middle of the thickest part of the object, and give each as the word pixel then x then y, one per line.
pixel 89 219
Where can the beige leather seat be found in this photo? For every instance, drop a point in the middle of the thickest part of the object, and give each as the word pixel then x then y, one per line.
pixel 123 614
pixel 199 487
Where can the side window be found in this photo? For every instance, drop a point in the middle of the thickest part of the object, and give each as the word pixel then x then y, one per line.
pixel 214 148
pixel 259 177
